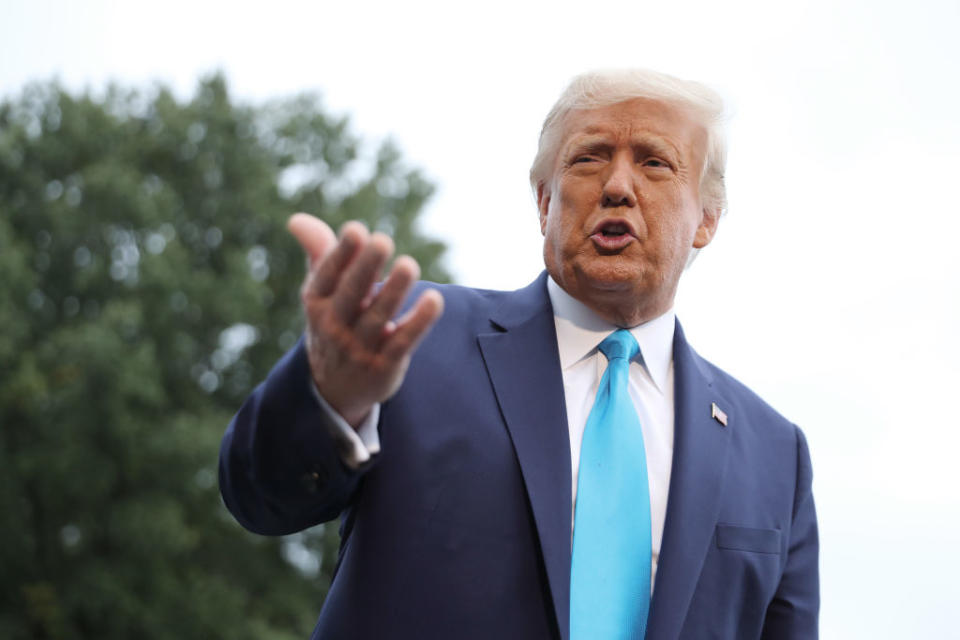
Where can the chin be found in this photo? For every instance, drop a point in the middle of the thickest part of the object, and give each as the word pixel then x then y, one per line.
pixel 612 275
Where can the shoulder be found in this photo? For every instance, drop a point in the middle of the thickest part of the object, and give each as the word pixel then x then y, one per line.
pixel 482 310
pixel 755 418
pixel 746 397
pixel 458 299
pixel 465 310
pixel 466 313
pixel 765 443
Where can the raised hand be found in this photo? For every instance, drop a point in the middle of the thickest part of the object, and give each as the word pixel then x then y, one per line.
pixel 358 355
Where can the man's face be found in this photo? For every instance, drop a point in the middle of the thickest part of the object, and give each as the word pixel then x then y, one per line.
pixel 622 209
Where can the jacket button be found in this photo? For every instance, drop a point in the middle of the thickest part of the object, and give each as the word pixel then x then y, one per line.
pixel 311 481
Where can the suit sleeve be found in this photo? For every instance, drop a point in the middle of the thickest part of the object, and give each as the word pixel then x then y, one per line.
pixel 281 469
pixel 793 614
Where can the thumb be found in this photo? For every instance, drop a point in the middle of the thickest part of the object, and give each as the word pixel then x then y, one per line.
pixel 313 234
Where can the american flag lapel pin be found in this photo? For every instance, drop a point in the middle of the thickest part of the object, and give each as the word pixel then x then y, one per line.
pixel 717 414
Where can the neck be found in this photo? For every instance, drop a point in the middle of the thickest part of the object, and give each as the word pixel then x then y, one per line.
pixel 625 307
pixel 612 309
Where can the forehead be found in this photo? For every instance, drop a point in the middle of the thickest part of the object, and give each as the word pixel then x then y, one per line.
pixel 639 118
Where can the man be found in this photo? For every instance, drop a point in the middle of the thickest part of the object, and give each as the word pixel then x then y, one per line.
pixel 554 462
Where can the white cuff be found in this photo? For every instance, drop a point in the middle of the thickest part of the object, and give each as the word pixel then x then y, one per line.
pixel 356 447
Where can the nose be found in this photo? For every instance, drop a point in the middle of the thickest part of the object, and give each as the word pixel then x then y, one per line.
pixel 619 186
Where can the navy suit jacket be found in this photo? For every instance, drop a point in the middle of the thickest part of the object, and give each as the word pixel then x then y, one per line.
pixel 461 528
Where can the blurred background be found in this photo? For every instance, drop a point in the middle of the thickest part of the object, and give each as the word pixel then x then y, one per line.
pixel 150 154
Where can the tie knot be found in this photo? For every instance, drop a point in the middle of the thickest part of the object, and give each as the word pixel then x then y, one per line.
pixel 619 344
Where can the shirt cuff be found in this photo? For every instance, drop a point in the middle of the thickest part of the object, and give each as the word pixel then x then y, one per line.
pixel 356 447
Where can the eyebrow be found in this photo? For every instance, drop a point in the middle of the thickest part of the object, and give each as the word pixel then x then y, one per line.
pixel 593 139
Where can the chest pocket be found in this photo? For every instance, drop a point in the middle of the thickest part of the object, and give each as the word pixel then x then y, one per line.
pixel 748 539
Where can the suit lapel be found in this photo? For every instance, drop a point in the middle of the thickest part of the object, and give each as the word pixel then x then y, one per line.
pixel 523 364
pixel 696 486
pixel 524 367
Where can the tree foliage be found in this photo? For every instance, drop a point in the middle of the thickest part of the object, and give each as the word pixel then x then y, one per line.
pixel 147 284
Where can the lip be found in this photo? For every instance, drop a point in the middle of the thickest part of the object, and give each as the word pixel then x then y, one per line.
pixel 613 243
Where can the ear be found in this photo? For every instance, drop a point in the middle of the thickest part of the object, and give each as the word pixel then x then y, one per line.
pixel 707 228
pixel 543 205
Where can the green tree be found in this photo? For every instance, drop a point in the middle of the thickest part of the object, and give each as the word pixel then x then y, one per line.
pixel 147 284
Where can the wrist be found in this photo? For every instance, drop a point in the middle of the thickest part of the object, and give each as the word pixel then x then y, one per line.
pixel 353 415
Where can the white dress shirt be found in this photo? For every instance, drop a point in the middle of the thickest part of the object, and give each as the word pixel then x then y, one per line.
pixel 579 334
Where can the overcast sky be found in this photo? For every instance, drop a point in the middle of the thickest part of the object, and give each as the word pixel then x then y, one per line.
pixel 831 287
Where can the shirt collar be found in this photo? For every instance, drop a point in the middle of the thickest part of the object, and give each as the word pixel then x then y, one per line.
pixel 580 331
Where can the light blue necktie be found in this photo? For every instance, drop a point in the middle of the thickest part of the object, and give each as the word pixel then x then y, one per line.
pixel 610 574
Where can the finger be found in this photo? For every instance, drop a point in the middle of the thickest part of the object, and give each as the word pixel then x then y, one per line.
pixel 372 320
pixel 358 279
pixel 313 234
pixel 413 326
pixel 325 276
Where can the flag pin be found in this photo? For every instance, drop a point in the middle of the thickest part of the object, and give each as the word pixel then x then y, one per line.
pixel 717 414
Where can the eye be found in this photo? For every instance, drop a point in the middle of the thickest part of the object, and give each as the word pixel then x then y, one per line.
pixel 656 163
pixel 583 159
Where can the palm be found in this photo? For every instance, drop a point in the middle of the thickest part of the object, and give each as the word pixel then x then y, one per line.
pixel 358 355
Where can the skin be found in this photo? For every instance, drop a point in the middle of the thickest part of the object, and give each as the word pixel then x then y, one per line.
pixel 358 355
pixel 636 164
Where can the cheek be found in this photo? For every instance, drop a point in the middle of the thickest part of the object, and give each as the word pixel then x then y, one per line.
pixel 559 217
pixel 577 193
pixel 553 229
pixel 569 211
pixel 674 230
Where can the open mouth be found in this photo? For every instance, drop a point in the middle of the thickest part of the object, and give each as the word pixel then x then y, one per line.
pixel 614 229
pixel 612 235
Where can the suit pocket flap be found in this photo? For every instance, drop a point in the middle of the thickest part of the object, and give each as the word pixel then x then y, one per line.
pixel 748 539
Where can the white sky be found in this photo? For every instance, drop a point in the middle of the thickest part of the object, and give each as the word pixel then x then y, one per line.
pixel 831 286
